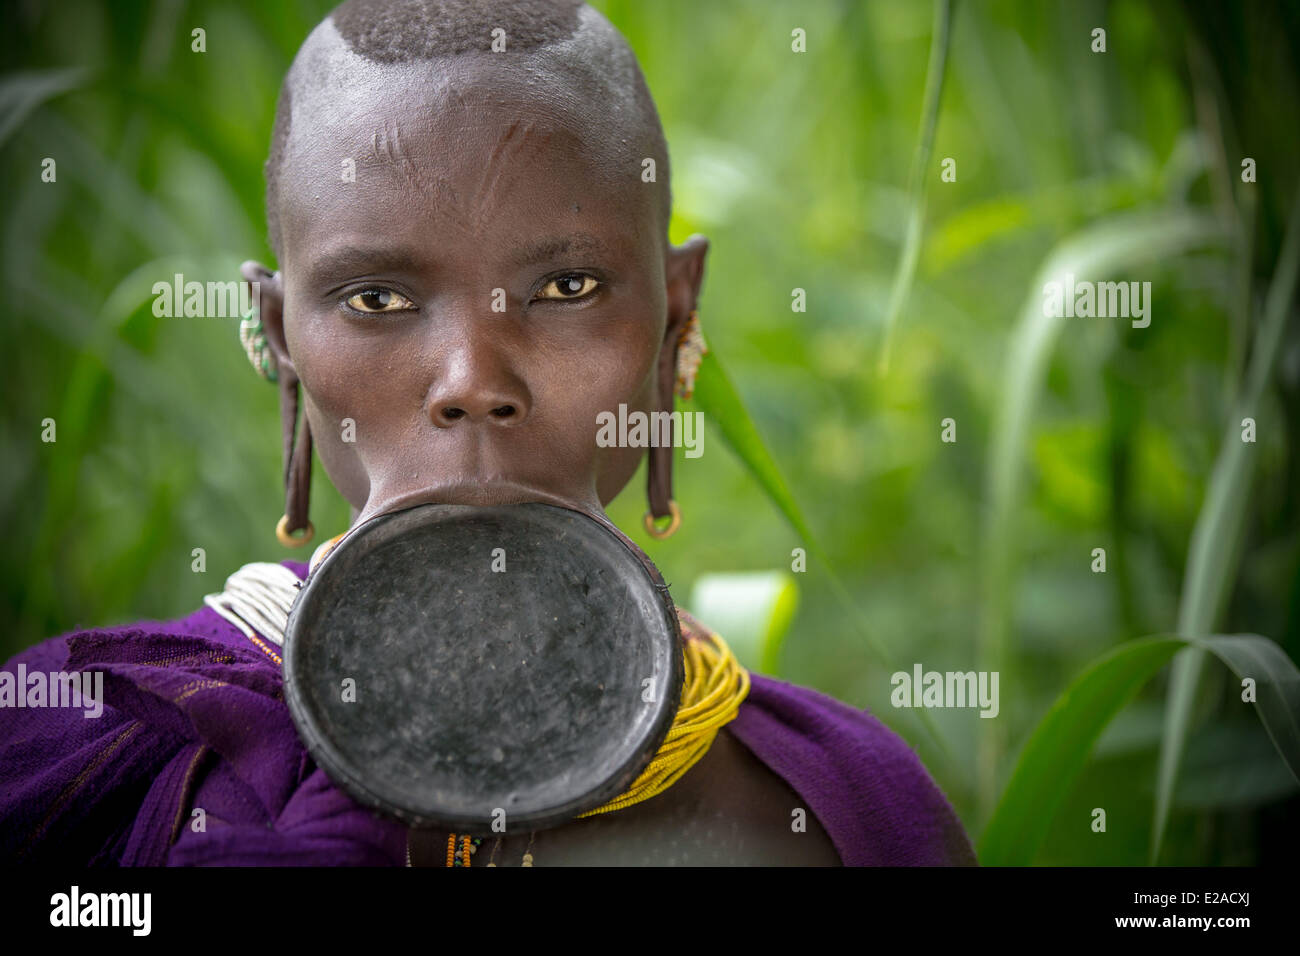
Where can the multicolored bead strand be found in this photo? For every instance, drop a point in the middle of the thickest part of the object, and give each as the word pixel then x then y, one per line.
pixel 468 847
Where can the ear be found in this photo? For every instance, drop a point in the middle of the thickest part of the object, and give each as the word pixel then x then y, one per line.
pixel 270 299
pixel 684 275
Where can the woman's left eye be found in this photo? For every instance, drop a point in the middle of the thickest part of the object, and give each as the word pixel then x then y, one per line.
pixel 576 285
pixel 379 300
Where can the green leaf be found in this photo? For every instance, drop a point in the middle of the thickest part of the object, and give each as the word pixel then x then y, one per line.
pixel 1058 749
pixel 722 405
pixel 1216 539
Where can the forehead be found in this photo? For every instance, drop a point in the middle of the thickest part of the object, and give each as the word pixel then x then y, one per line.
pixel 473 149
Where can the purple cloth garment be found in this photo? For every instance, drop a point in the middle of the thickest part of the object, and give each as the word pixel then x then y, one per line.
pixel 194 716
pixel 868 789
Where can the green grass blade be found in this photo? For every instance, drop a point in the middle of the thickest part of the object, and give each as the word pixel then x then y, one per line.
pixel 718 399
pixel 1115 244
pixel 1212 561
pixel 1277 688
pixel 721 403
pixel 918 177
pixel 1058 749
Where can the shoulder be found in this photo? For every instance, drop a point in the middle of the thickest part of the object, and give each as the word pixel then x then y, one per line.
pixel 205 625
pixel 863 782
pixel 191 715
pixel 101 728
pixel 867 786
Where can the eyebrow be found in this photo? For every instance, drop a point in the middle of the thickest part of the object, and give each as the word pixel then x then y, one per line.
pixel 353 259
pixel 552 246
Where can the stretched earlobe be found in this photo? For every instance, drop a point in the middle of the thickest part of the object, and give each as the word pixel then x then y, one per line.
pixel 659 464
pixel 677 369
pixel 262 334
pixel 679 359
pixel 297 466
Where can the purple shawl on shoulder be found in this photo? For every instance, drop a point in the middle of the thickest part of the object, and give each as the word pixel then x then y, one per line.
pixel 195 760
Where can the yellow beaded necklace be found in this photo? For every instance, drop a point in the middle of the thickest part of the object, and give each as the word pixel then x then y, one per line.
pixel 715 685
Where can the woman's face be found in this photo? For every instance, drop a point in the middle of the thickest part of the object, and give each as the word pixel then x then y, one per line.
pixel 468 280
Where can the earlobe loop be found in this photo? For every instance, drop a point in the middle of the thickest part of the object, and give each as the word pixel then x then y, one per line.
pixel 293 541
pixel 655 531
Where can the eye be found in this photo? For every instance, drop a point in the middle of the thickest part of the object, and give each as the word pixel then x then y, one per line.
pixel 575 285
pixel 378 300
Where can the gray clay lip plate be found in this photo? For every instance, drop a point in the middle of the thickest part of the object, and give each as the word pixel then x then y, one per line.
pixel 542 690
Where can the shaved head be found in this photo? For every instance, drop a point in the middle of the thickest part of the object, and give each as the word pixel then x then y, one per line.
pixel 564 62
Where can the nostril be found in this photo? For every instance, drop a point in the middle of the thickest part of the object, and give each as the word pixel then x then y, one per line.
pixel 452 413
pixel 503 411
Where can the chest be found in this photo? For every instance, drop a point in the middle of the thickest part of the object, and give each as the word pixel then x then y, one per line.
pixel 727 810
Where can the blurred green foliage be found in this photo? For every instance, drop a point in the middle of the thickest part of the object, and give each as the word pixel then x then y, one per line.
pixel 797 168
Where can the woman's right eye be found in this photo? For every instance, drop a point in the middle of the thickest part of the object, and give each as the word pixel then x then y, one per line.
pixel 379 300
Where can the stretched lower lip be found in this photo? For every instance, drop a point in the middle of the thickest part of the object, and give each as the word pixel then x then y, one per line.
pixel 485 494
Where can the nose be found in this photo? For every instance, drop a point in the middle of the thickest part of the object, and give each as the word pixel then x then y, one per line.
pixel 478 384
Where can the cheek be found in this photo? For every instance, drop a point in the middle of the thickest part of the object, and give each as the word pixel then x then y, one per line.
pixel 631 353
pixel 336 398
pixel 337 454
pixel 634 383
pixel 612 370
pixel 348 375
pixel 319 358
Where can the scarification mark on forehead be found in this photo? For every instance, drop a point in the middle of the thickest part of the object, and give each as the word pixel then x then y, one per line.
pixel 413 155
pixel 507 159
pixel 388 148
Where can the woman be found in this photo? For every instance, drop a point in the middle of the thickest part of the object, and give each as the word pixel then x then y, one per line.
pixel 470 210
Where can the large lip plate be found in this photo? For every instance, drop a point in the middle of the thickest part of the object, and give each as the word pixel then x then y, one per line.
pixel 432 797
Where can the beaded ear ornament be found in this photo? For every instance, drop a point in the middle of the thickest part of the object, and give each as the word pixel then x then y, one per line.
pixel 253 337
pixel 691 349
